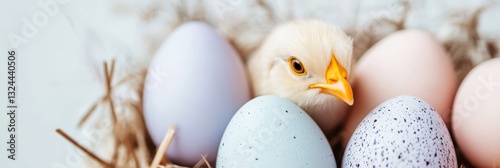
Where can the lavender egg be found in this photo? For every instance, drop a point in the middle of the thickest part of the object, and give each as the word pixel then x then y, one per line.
pixel 403 131
pixel 197 81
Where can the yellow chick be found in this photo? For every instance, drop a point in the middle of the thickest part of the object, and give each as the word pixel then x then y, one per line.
pixel 307 62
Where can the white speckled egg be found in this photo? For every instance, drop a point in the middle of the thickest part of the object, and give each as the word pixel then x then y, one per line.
pixel 406 62
pixel 196 81
pixel 401 132
pixel 270 131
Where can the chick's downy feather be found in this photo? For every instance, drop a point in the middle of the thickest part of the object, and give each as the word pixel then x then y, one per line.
pixel 315 44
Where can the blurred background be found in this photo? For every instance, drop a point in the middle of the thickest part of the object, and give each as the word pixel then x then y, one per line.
pixel 59 65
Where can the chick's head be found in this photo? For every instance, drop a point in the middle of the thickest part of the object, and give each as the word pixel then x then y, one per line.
pixel 307 62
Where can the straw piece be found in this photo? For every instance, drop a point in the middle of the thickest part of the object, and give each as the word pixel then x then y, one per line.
pixel 142 144
pixel 108 76
pixel 112 71
pixel 105 97
pixel 88 113
pixel 92 155
pixel 108 92
pixel 199 163
pixel 206 162
pixel 202 161
pixel 163 147
pixel 114 158
pixel 131 150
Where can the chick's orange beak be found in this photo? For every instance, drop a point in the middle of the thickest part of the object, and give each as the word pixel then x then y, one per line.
pixel 336 83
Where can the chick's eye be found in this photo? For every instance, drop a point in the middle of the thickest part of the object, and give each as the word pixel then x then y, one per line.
pixel 296 66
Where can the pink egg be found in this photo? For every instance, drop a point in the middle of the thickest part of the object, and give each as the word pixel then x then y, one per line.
pixel 408 62
pixel 476 115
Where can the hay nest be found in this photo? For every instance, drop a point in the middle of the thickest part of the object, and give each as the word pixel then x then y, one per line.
pixel 129 145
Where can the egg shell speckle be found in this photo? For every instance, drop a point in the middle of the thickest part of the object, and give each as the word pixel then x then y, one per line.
pixel 270 131
pixel 401 132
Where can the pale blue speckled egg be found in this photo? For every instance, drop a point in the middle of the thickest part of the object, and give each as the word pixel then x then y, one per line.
pixel 270 131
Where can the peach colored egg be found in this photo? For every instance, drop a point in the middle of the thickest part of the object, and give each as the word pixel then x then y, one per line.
pixel 476 115
pixel 408 62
